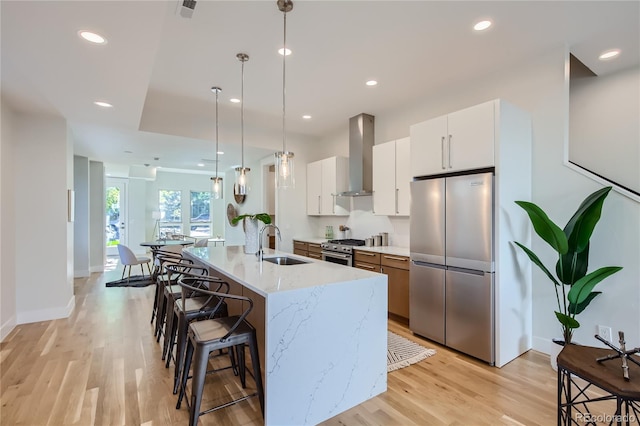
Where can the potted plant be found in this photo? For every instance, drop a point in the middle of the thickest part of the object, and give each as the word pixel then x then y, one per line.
pixel 573 286
pixel 250 223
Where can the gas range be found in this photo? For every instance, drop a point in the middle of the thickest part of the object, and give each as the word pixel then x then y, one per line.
pixel 342 246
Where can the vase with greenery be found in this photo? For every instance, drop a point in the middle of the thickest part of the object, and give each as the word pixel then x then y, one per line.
pixel 250 224
pixel 573 285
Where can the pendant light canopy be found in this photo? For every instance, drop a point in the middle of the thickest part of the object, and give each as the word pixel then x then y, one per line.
pixel 284 158
pixel 240 186
pixel 217 181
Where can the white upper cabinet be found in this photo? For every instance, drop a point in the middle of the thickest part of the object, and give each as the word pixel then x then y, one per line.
pixel 325 178
pixel 391 177
pixel 463 140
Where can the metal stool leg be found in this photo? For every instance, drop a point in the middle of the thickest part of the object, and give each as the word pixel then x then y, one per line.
pixel 255 361
pixel 201 358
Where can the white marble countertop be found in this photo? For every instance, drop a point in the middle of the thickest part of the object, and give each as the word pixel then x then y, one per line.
pixel 398 251
pixel 267 278
pixel 314 240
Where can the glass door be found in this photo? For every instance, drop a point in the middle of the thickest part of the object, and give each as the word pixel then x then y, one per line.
pixel 115 215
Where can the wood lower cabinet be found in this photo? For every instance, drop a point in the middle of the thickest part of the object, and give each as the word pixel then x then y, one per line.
pixel 397 270
pixel 303 248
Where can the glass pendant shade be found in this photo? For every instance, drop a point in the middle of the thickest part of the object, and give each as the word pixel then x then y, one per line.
pixel 284 170
pixel 216 188
pixel 242 181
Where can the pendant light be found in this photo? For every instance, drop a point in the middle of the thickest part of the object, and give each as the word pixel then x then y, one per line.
pixel 217 182
pixel 284 158
pixel 240 187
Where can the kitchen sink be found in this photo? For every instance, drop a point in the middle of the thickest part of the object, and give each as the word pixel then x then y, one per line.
pixel 284 260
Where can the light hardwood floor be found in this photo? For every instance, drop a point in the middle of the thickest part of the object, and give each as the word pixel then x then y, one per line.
pixel 102 366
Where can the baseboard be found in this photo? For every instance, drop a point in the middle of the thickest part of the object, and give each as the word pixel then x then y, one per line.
pixel 7 327
pixel 541 344
pixel 97 268
pixel 81 274
pixel 47 314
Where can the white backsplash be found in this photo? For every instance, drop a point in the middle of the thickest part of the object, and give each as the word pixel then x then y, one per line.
pixel 363 224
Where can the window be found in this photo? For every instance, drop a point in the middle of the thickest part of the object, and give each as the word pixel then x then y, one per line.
pixel 200 214
pixel 169 203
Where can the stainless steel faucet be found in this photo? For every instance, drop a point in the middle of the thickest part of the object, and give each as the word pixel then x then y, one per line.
pixel 260 251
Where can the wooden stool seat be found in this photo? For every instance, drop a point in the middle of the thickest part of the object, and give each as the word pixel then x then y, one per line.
pixel 573 400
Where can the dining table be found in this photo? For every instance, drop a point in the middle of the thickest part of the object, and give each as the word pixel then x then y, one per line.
pixel 157 245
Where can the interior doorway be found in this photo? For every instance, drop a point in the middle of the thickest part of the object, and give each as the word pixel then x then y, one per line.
pixel 115 214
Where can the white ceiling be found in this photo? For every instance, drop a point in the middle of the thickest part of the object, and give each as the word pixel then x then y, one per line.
pixel 158 66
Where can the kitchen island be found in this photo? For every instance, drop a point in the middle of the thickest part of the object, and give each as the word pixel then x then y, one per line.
pixel 322 329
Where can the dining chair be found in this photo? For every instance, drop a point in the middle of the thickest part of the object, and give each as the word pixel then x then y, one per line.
pixel 207 336
pixel 202 242
pixel 128 258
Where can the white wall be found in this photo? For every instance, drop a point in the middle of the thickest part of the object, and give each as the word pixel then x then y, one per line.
pixel 97 250
pixel 604 134
pixel 44 272
pixel 538 87
pixel 137 219
pixel 7 224
pixel 81 221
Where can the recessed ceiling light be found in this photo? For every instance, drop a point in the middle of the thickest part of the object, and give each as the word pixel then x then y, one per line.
pixel 200 164
pixel 92 37
pixel 235 100
pixel 128 152
pixel 609 54
pixel 103 104
pixel 371 83
pixel 482 25
pixel 220 153
pixel 282 50
pixel 306 117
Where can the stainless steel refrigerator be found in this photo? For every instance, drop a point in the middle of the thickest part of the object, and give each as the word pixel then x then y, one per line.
pixel 452 265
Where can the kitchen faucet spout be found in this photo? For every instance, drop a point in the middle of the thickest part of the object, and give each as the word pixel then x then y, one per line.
pixel 269 225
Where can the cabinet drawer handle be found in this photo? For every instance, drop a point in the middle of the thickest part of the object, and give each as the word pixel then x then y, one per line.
pixel 402 259
pixel 362 265
pixel 442 155
pixel 364 253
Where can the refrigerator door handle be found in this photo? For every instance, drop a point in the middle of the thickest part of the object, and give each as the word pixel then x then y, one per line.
pixel 466 271
pixel 428 265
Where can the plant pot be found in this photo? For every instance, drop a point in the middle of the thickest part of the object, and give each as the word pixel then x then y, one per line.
pixel 554 350
pixel 251 243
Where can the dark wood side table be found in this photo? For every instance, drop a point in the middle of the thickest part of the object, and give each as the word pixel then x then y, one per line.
pixel 574 398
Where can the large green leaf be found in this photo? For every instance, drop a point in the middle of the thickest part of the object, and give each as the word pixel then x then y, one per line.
pixel 537 261
pixel 572 266
pixel 544 227
pixel 576 309
pixel 582 288
pixel 567 321
pixel 580 227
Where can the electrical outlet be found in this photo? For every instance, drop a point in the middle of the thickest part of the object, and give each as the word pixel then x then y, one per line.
pixel 605 333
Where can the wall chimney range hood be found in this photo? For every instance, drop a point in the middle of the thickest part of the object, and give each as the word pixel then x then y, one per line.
pixel 361 131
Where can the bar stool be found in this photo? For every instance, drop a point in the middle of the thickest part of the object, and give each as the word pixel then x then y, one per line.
pixel 205 337
pixel 170 290
pixel 158 256
pixel 173 292
pixel 193 307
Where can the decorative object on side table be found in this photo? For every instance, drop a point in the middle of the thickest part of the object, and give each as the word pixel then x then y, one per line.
pixel 250 224
pixel 622 353
pixel 572 246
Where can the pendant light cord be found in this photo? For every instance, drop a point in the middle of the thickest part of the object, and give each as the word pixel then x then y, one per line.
pixel 242 115
pixel 284 71
pixel 217 90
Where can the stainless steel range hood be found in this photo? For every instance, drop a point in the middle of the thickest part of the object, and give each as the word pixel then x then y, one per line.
pixel 361 128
